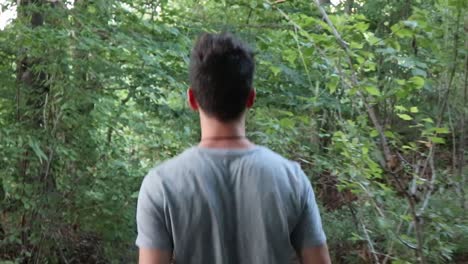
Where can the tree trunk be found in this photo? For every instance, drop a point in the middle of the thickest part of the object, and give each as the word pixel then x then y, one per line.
pixel 349 6
pixel 461 149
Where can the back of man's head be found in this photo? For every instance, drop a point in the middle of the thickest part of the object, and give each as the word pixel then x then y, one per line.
pixel 221 75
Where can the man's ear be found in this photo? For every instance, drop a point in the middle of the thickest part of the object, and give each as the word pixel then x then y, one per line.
pixel 251 98
pixel 192 102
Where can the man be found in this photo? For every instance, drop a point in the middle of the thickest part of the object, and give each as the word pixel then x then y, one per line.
pixel 227 200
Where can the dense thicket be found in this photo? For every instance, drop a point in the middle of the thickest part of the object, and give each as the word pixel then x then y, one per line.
pixel 369 96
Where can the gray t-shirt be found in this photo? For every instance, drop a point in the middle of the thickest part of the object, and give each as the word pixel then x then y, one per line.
pixel 228 206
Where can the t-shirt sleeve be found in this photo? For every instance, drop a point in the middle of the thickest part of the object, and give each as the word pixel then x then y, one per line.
pixel 151 222
pixel 308 231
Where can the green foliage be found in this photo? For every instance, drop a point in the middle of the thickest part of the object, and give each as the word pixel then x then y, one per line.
pixel 94 96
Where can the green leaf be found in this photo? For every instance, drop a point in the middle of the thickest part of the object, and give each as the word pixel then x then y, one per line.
pixel 91 9
pixel 406 62
pixel 365 150
pixel 414 109
pixel 408 147
pixel 395 27
pixel 286 123
pixel 418 72
pixel 389 134
pixel 372 40
pixel 428 120
pixel 355 237
pixel 332 83
pixel 401 108
pixel 400 81
pixel 438 140
pixel 441 130
pixel 373 90
pixel 356 45
pixel 374 133
pixel 275 69
pixel 362 26
pixel 37 150
pixel 405 117
pixel 386 51
pixel 406 217
pixel 290 56
pixel 417 81
pixel 403 33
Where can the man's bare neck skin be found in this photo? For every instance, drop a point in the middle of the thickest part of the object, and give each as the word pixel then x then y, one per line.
pixel 216 134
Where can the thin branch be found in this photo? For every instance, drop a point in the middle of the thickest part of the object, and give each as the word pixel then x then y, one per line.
pixel 44 110
pixel 369 241
pixel 452 72
pixel 298 27
pixel 415 216
pixel 454 140
pixel 408 245
pixel 430 188
pixel 355 82
pixel 302 57
pixel 344 45
pixel 361 224
pixel 390 247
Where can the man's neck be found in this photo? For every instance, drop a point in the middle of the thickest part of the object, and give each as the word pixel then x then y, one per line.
pixel 216 134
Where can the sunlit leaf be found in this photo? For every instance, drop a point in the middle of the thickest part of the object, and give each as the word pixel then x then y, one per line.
pixel 405 117
pixel 37 150
pixel 400 108
pixel 437 140
pixel 428 120
pixel 372 90
pixel 417 81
